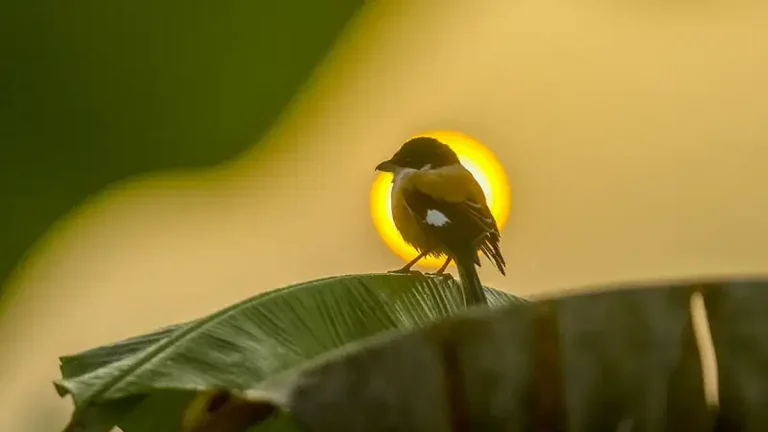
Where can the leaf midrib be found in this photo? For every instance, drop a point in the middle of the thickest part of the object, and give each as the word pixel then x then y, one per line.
pixel 156 351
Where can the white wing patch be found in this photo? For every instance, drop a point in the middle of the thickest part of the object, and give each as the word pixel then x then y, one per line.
pixel 436 218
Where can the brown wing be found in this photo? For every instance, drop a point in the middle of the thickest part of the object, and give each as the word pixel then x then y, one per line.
pixel 463 223
pixel 452 183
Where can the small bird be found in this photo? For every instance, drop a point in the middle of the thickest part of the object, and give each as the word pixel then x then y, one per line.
pixel 440 209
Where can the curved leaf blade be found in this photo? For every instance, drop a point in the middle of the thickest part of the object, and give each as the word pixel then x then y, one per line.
pixel 599 361
pixel 239 347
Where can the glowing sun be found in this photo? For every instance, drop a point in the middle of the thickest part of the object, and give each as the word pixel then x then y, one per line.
pixel 478 159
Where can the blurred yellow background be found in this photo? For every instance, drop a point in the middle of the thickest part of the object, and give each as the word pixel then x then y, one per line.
pixel 633 133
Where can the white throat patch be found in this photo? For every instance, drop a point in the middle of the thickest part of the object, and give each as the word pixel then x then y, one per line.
pixel 400 174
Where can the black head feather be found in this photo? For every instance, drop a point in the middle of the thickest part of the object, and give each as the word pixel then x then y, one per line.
pixel 421 151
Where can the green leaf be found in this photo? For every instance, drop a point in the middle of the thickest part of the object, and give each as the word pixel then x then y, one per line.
pixel 75 365
pixel 157 412
pixel 105 416
pixel 243 345
pixel 616 360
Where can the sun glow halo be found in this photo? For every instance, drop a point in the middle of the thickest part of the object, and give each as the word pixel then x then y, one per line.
pixel 479 160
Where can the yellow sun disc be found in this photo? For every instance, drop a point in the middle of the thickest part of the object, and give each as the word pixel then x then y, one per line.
pixel 483 165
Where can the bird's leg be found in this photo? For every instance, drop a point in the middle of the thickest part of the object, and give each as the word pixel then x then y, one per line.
pixel 442 268
pixel 407 268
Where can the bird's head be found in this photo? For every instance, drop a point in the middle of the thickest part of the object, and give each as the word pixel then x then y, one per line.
pixel 420 153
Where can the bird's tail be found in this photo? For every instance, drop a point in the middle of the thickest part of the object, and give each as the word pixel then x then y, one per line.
pixel 472 288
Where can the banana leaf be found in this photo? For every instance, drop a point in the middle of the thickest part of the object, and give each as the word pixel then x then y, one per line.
pixel 146 383
pixel 624 358
pixel 615 360
pixel 398 352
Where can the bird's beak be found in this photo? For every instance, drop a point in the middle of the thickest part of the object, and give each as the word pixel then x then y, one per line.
pixel 386 166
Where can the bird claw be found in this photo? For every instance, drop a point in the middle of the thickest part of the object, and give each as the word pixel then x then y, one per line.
pixel 442 275
pixel 404 271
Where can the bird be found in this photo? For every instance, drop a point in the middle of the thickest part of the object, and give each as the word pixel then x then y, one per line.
pixel 440 209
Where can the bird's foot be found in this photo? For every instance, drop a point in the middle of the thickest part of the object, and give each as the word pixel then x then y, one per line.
pixel 440 274
pixel 404 270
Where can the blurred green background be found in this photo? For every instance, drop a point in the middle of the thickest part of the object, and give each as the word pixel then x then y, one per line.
pixel 93 92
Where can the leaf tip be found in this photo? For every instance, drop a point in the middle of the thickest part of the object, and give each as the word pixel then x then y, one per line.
pixel 61 388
